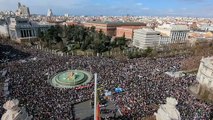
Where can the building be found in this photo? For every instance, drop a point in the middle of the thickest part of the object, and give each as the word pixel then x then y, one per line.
pixel 49 13
pixel 206 27
pixel 66 15
pixel 109 28
pixel 71 23
pixel 176 33
pixel 205 72
pixel 144 38
pixel 126 31
pixel 22 11
pixel 200 37
pixel 22 29
pixel 4 28
pixel 204 88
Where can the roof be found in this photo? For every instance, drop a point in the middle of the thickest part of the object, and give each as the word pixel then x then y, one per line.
pixel 147 31
pixel 130 27
pixel 174 27
pixel 119 23
pixel 179 27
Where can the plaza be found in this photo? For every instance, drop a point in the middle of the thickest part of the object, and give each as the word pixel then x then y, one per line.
pixel 143 89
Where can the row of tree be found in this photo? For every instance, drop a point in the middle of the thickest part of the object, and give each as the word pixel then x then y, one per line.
pixel 68 38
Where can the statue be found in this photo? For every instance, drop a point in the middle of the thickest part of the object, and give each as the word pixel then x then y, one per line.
pixel 168 111
pixel 14 112
pixel 71 76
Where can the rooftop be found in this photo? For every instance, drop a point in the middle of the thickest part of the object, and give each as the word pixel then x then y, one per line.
pixel 119 23
pixel 174 27
pixel 147 31
pixel 130 27
pixel 179 27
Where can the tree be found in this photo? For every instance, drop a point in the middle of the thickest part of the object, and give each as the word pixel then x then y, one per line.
pixel 92 29
pixel 78 37
pixel 121 42
pixel 148 50
pixel 40 36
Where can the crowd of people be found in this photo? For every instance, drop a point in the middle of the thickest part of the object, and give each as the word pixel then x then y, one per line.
pixel 143 80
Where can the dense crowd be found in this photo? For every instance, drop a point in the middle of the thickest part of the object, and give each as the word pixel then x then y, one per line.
pixel 143 80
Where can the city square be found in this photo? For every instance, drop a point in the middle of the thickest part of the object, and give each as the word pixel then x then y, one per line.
pixel 106 60
pixel 143 89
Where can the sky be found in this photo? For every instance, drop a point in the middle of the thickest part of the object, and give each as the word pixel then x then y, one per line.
pixel 192 8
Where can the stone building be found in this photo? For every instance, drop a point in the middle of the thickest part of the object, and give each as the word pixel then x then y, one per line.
pixel 109 28
pixel 22 29
pixel 144 38
pixel 4 28
pixel 126 31
pixel 176 33
pixel 204 88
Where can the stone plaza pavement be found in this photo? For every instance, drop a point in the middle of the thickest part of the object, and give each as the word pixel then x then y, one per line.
pixel 84 110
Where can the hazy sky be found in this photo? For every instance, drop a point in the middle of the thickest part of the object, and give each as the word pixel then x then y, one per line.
pixel 116 7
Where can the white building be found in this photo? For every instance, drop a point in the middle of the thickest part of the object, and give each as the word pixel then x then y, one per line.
pixel 176 33
pixel 204 88
pixel 66 15
pixel 144 38
pixel 205 72
pixel 21 29
pixel 4 28
pixel 206 27
pixel 49 13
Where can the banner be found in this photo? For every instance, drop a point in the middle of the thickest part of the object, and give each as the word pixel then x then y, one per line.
pixel 84 86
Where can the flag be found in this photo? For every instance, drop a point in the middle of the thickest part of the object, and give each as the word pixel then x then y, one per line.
pixel 98 114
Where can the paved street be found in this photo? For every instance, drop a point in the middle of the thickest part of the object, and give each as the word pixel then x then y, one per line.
pixel 83 111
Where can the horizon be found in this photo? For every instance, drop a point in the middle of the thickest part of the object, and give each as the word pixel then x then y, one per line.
pixel 164 8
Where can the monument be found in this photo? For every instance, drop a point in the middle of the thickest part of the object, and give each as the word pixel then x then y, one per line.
pixel 71 78
pixel 14 112
pixel 204 88
pixel 168 111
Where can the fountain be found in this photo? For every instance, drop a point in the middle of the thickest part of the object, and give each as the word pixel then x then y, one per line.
pixel 71 78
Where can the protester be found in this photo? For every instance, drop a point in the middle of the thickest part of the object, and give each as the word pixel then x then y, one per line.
pixel 143 82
